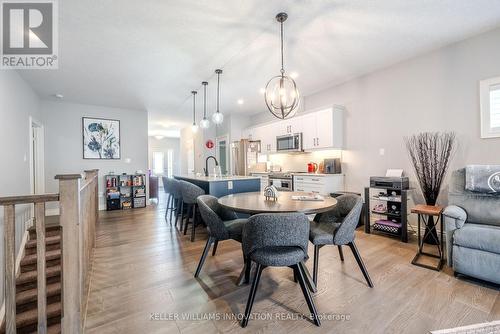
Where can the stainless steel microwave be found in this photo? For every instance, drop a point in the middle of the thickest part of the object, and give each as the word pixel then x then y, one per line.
pixel 289 143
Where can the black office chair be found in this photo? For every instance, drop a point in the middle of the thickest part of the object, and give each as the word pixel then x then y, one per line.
pixel 277 240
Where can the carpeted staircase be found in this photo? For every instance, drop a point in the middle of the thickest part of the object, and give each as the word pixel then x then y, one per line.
pixel 26 286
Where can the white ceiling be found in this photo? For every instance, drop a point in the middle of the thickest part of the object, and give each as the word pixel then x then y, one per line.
pixel 150 54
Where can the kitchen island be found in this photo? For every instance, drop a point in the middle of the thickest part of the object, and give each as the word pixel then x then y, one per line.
pixel 223 185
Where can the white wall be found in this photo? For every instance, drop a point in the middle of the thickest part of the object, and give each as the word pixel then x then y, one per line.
pixel 64 141
pixel 17 103
pixel 433 92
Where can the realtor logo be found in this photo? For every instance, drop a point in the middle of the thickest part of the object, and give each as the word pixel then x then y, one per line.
pixel 29 34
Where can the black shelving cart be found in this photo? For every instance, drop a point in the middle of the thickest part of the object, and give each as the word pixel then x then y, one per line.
pixel 390 214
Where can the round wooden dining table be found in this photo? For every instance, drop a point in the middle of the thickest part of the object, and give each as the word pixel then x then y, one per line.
pixel 255 202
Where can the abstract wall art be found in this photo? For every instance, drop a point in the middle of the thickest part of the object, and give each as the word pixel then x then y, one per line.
pixel 101 138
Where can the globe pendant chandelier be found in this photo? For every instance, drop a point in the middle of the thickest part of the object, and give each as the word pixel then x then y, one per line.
pixel 204 123
pixel 218 117
pixel 281 93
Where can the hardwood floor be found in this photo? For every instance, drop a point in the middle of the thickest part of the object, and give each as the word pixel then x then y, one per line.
pixel 144 267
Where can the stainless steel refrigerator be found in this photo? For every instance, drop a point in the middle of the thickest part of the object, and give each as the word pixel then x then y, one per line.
pixel 244 156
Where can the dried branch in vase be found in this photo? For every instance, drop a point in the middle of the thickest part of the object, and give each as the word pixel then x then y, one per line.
pixel 430 153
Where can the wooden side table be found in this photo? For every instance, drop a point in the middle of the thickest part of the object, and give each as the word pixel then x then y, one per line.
pixel 424 212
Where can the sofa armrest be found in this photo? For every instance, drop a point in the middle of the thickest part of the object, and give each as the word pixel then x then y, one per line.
pixel 454 218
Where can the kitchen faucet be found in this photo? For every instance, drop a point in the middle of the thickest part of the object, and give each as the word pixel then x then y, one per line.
pixel 206 163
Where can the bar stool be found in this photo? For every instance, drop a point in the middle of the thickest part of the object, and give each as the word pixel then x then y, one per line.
pixel 190 193
pixel 167 188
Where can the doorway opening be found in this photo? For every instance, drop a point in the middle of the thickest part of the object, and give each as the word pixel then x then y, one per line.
pixel 222 152
pixel 37 172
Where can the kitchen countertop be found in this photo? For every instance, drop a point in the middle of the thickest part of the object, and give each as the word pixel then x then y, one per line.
pixel 204 178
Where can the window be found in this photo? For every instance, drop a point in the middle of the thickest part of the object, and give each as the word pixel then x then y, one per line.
pixel 490 107
pixel 158 167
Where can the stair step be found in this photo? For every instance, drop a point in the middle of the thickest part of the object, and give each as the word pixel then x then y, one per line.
pixel 31 276
pixel 50 231
pixel 49 255
pixel 48 241
pixel 32 294
pixel 31 317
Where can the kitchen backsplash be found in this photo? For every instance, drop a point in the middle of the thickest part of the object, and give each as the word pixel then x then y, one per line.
pixel 297 162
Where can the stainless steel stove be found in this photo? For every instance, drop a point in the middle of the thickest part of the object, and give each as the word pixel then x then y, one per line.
pixel 283 181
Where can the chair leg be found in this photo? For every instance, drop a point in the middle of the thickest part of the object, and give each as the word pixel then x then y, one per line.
pixel 341 253
pixel 248 270
pixel 215 247
pixel 204 255
pixel 172 209
pixel 194 222
pixel 307 276
pixel 186 223
pixel 316 264
pixel 251 296
pixel 180 205
pixel 166 210
pixel 361 265
pixel 182 212
pixel 307 294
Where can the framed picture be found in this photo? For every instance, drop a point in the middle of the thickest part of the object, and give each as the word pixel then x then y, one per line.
pixel 101 138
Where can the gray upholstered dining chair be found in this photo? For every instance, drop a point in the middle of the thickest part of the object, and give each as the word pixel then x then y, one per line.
pixel 277 240
pixel 190 193
pixel 221 224
pixel 337 227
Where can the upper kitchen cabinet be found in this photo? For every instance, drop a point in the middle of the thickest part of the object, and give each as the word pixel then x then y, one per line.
pixel 323 129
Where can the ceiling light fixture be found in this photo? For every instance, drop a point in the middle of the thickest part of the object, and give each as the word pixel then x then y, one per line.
pixel 262 91
pixel 281 95
pixel 240 101
pixel 204 123
pixel 218 117
pixel 194 127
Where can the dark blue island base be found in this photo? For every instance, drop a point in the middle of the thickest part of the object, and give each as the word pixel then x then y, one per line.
pixel 222 186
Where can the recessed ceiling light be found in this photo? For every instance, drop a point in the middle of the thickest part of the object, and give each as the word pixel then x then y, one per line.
pixel 294 75
pixel 240 101
pixel 262 91
pixel 58 96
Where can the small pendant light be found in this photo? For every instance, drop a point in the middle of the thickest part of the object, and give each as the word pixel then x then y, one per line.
pixel 194 127
pixel 281 94
pixel 204 123
pixel 218 117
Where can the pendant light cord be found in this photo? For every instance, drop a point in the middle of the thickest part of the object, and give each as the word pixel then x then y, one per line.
pixel 194 107
pixel 204 101
pixel 218 90
pixel 282 52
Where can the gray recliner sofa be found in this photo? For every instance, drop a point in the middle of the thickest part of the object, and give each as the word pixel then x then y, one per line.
pixel 472 225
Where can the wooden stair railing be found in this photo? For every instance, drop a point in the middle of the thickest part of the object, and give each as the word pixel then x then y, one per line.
pixel 78 205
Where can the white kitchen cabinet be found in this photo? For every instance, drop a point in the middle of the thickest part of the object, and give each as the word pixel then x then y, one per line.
pixel 321 129
pixel 267 136
pixel 322 184
pixel 324 129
